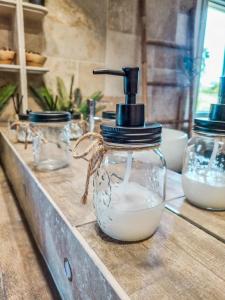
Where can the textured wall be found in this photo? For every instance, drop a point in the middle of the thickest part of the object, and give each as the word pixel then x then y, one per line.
pixel 80 35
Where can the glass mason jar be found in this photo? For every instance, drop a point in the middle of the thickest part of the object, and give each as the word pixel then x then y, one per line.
pixel 76 130
pixel 203 175
pixel 129 191
pixel 24 133
pixel 51 139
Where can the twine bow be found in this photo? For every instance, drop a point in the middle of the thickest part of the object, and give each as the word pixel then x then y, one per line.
pixel 97 150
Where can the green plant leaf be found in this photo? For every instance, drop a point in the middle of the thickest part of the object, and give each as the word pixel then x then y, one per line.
pixel 83 109
pixel 43 97
pixel 77 97
pixel 6 92
pixel 97 96
pixel 71 87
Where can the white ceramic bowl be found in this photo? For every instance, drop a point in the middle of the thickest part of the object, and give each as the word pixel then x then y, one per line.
pixel 173 147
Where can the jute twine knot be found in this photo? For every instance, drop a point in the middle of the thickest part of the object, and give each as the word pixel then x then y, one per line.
pixel 26 127
pixel 96 150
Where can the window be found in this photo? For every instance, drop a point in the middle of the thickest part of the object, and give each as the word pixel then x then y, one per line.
pixel 213 64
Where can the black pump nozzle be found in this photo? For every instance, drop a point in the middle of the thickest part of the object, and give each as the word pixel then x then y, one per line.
pixel 130 81
pixel 217 111
pixel 221 94
pixel 129 114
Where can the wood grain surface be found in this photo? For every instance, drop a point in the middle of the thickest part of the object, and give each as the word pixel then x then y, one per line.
pixel 212 222
pixel 181 261
pixel 23 274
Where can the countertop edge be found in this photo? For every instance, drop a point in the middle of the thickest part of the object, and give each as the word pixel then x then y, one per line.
pixel 56 238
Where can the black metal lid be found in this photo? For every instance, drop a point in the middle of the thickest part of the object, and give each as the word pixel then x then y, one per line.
pixel 209 126
pixel 150 133
pixel 130 127
pixel 49 116
pixel 109 115
pixel 215 124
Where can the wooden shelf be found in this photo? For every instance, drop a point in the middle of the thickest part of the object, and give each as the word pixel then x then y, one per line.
pixel 34 11
pixel 18 11
pixel 7 8
pixel 9 68
pixel 36 70
pixel 30 70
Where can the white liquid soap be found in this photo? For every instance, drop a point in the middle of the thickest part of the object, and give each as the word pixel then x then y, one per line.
pixel 205 186
pixel 205 191
pixel 134 212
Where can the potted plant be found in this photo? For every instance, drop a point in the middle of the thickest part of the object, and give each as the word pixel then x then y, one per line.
pixel 7 56
pixel 35 59
pixel 71 101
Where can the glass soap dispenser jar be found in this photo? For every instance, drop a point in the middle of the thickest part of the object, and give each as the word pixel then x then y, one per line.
pixel 51 139
pixel 24 133
pixel 203 176
pixel 129 185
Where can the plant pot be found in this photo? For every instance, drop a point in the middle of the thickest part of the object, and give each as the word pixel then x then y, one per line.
pixel 7 56
pixel 38 2
pixel 34 59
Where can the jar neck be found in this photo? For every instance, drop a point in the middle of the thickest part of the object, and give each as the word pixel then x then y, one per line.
pixel 216 136
pixel 130 147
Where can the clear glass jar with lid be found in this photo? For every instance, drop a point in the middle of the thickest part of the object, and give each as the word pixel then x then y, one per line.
pixel 76 129
pixel 24 134
pixel 203 175
pixel 51 139
pixel 129 190
pixel 129 185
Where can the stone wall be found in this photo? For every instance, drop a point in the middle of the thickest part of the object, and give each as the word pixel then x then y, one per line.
pixel 80 35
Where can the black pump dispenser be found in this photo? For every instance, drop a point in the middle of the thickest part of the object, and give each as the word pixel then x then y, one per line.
pixel 129 114
pixel 130 124
pixel 216 121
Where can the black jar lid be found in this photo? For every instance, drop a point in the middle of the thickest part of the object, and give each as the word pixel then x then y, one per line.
pixel 130 126
pixel 49 116
pixel 109 115
pixel 150 133
pixel 209 126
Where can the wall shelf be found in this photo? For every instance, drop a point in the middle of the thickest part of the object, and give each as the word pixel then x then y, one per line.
pixel 34 11
pixel 36 70
pixel 7 8
pixel 30 10
pixel 9 68
pixel 18 11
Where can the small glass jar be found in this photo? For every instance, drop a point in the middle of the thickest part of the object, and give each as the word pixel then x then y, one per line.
pixel 129 193
pixel 24 133
pixel 51 139
pixel 76 130
pixel 203 175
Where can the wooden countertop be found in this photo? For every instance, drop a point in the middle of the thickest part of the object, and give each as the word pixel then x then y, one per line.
pixel 23 274
pixel 183 260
